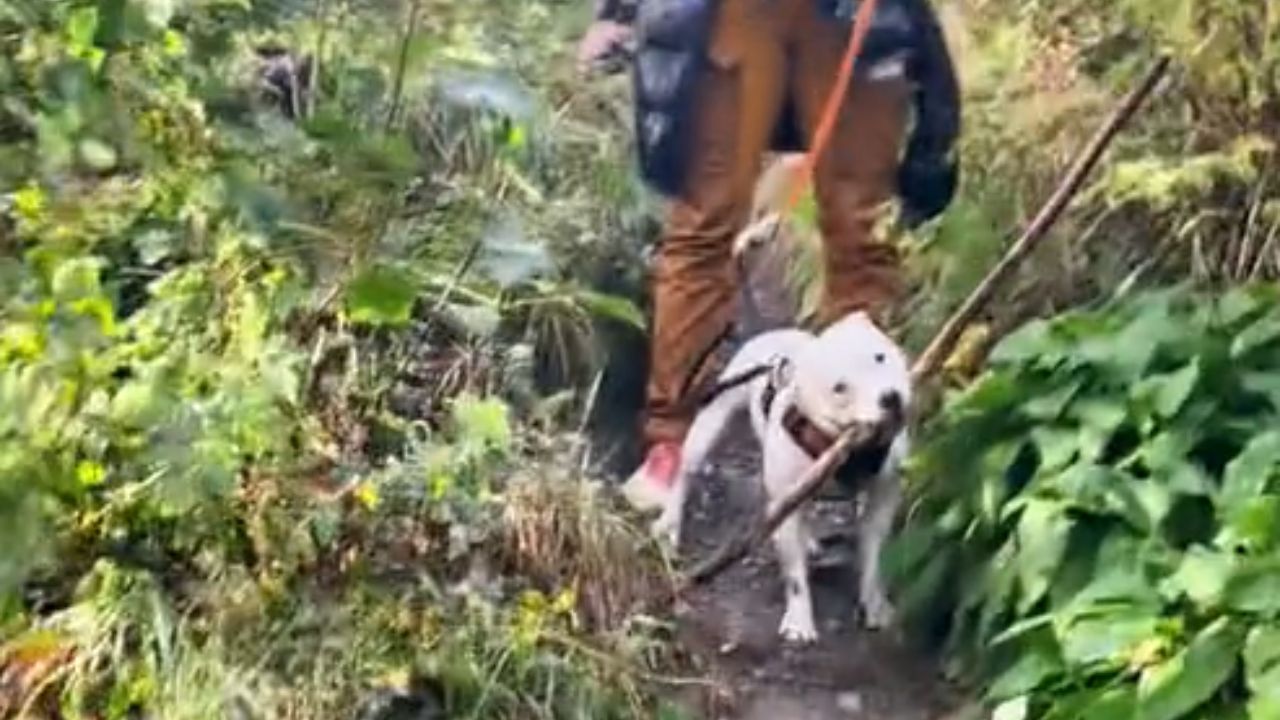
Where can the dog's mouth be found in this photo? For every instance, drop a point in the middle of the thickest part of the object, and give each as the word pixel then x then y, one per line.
pixel 883 428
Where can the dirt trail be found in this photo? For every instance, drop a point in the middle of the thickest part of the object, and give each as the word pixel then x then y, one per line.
pixel 849 675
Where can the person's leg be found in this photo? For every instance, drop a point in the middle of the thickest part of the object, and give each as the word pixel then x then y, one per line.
pixel 693 277
pixel 857 173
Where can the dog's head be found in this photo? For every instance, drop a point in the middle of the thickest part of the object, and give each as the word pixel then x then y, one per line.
pixel 853 374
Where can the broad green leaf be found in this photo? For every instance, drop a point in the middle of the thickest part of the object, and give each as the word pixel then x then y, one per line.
pixel 98 155
pixel 1248 475
pixel 1115 704
pixel 1057 446
pixel 1264 697
pixel 1033 341
pixel 81 27
pixel 1262 672
pixel 1037 661
pixel 1015 709
pixel 1119 580
pixel 1165 456
pixel 1172 390
pixel 1155 497
pixel 612 307
pixel 1241 302
pixel 1265 383
pixel 1253 526
pixel 381 295
pixel 994 489
pixel 77 279
pixel 1099 419
pixel 1049 406
pixel 992 393
pixel 1101 490
pixel 1108 634
pixel 1042 534
pixel 1261 652
pixel 1178 686
pixel 1202 576
pixel 158 12
pixel 136 404
pixel 1263 332
pixel 1255 586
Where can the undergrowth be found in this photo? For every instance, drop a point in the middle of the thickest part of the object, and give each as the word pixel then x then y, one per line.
pixel 1094 534
pixel 296 299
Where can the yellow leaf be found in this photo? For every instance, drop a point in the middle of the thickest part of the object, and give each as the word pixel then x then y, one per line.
pixel 30 203
pixel 90 473
pixel 397 678
pixel 22 339
pixel 368 495
pixel 174 44
pixel 967 356
pixel 565 601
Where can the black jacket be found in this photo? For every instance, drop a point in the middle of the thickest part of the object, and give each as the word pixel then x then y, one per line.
pixel 673 37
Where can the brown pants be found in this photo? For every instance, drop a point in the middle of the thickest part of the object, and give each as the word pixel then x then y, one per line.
pixel 763 52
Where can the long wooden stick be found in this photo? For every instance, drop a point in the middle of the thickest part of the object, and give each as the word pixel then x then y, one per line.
pixel 929 361
pixel 936 352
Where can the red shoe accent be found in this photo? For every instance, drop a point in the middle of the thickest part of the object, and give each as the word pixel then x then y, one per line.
pixel 662 463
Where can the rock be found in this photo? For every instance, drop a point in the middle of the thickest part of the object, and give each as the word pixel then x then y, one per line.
pixel 850 702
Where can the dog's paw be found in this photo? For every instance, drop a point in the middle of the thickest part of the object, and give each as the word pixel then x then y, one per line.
pixel 877 612
pixel 797 627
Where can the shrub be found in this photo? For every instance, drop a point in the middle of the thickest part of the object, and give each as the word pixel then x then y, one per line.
pixel 1095 533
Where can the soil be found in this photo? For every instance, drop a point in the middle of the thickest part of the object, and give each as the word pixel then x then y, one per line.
pixel 849 674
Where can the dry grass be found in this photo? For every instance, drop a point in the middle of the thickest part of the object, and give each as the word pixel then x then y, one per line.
pixel 560 532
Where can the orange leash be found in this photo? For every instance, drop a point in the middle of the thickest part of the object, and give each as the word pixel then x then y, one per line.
pixel 831 111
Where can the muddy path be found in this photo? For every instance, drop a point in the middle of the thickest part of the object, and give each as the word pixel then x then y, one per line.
pixel 732 623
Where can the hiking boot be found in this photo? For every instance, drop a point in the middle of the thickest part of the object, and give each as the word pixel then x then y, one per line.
pixel 649 485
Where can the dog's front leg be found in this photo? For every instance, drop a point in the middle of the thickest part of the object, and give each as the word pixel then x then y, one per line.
pixel 883 500
pixel 783 465
pixel 708 427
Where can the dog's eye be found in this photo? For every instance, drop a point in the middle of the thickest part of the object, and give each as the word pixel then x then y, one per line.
pixel 880 358
pixel 840 388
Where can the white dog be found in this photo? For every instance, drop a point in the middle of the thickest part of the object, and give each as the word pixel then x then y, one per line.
pixel 802 391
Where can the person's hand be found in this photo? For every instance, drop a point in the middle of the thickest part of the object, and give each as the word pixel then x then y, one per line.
pixel 602 40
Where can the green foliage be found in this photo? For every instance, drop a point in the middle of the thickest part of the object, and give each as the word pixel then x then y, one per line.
pixel 1189 188
pixel 205 307
pixel 1097 514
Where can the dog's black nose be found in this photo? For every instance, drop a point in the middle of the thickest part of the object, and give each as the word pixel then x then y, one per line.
pixel 891 402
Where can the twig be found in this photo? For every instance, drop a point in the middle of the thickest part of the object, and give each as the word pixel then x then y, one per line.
pixel 587 411
pixel 402 65
pixel 929 362
pixel 464 267
pixel 313 82
pixel 935 353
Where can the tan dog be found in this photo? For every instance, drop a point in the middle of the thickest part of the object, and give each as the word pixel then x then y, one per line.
pixel 778 256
